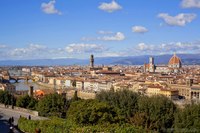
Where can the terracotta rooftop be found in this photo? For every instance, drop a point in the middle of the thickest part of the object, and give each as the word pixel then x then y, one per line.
pixel 174 60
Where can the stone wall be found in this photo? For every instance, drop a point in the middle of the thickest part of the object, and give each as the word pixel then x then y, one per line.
pixel 81 94
pixel 86 95
pixel 34 113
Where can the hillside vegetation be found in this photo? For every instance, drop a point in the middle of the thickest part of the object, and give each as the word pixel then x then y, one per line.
pixel 122 111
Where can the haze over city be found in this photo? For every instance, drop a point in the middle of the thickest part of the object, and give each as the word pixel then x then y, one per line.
pixel 49 29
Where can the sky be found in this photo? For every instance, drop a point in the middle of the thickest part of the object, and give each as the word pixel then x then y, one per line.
pixel 51 29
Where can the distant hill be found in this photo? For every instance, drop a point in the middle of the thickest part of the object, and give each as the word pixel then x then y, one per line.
pixel 130 60
pixel 187 59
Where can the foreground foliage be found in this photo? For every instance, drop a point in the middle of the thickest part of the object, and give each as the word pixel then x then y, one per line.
pixel 91 112
pixel 58 125
pixel 26 102
pixel 6 98
pixel 52 105
pixel 154 113
pixel 122 111
pixel 124 101
pixel 188 119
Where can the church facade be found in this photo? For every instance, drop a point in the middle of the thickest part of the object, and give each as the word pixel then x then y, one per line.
pixel 174 65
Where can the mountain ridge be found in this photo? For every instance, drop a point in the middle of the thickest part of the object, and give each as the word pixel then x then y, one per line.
pixel 187 59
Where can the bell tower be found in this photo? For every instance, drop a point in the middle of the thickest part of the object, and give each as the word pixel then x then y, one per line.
pixel 151 64
pixel 92 61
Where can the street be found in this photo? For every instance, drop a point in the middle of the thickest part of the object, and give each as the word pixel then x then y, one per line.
pixel 4 124
pixel 6 113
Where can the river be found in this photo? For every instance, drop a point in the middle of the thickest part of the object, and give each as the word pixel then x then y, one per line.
pixel 24 85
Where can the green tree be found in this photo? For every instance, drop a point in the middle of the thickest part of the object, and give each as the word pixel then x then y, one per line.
pixel 26 102
pixel 112 88
pixel 6 98
pixel 124 101
pixel 91 112
pixel 32 104
pixel 52 105
pixel 73 83
pixel 188 119
pixel 75 97
pixel 154 113
pixel 2 96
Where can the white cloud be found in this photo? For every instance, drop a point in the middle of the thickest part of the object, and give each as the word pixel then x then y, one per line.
pixel 110 7
pixel 84 48
pixel 49 8
pixel 139 29
pixel 190 3
pixel 143 47
pixel 111 54
pixel 36 51
pixel 31 50
pixel 3 46
pixel 117 37
pixel 107 36
pixel 105 32
pixel 88 38
pixel 166 48
pixel 81 50
pixel 36 47
pixel 179 20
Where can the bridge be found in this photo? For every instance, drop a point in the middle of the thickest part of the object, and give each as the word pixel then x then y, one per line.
pixel 17 78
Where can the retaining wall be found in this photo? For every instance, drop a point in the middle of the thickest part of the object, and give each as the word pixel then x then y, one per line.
pixel 35 113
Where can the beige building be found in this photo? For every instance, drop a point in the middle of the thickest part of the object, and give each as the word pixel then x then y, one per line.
pixel 162 89
pixel 80 84
pixel 171 93
pixel 195 93
pixel 97 85
pixel 153 90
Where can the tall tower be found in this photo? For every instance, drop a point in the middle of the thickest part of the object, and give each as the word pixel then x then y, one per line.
pixel 151 64
pixel 151 60
pixel 92 61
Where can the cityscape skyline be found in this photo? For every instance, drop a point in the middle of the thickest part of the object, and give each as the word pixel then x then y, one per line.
pixel 75 29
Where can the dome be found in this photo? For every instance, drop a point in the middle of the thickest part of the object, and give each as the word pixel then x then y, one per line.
pixel 175 61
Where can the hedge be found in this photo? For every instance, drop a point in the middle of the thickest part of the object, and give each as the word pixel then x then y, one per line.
pixel 57 125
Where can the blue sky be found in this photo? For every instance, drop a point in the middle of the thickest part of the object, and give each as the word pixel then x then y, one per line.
pixel 37 29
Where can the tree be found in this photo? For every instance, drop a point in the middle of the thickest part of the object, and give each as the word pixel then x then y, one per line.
pixel 112 88
pixel 6 98
pixel 32 104
pixel 26 102
pixel 91 112
pixel 75 97
pixel 74 83
pixel 154 113
pixel 52 105
pixel 188 119
pixel 125 101
pixel 2 96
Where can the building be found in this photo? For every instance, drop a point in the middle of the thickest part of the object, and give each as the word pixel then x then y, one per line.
pixel 8 87
pixel 188 91
pixel 158 89
pixel 174 65
pixel 170 93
